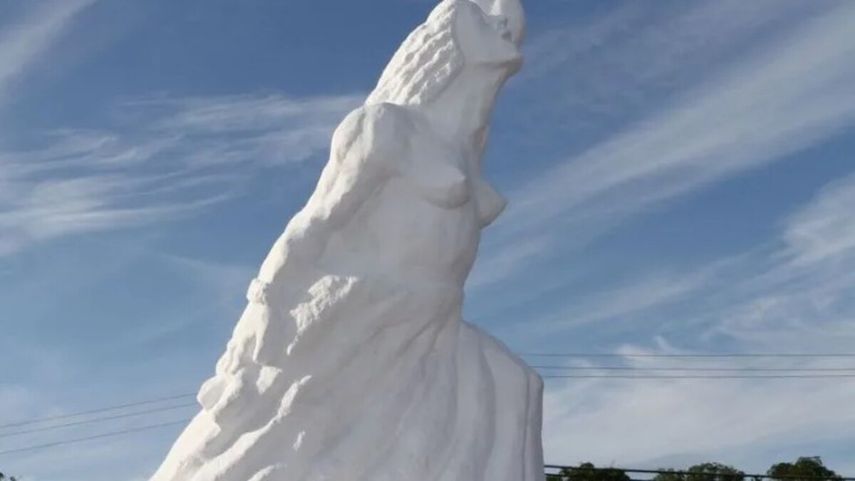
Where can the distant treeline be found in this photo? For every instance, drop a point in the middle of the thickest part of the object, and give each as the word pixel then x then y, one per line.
pixel 803 469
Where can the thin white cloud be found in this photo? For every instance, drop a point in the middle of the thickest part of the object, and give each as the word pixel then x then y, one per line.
pixel 637 422
pixel 825 228
pixel 612 69
pixel 626 48
pixel 786 97
pixel 248 112
pixel 511 260
pixel 211 295
pixel 793 298
pixel 24 43
pixel 626 300
pixel 119 457
pixel 779 99
pixel 202 149
pixel 805 293
pixel 268 129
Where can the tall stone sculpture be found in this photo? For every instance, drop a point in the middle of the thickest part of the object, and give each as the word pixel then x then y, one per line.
pixel 351 361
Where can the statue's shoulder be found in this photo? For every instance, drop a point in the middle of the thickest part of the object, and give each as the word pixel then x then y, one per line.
pixel 386 113
pixel 374 126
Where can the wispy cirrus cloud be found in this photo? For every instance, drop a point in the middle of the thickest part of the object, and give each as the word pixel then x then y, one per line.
pixel 782 99
pixel 159 158
pixel 769 85
pixel 795 295
pixel 654 423
pixel 614 63
pixel 825 229
pixel 164 158
pixel 264 129
pixel 804 292
pixel 779 98
pixel 24 43
pixel 54 379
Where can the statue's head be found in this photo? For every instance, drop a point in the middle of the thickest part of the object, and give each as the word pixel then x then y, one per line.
pixel 484 39
pixel 512 10
pixel 457 34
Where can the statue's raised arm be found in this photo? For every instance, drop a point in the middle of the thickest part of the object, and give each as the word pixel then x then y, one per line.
pixel 351 360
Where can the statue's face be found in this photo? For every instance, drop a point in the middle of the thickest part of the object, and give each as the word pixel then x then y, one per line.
pixel 484 39
pixel 512 10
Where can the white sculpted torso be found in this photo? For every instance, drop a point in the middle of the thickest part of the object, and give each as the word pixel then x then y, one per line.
pixel 399 230
pixel 409 206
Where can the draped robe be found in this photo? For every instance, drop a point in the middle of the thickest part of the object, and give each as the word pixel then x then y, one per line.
pixel 351 360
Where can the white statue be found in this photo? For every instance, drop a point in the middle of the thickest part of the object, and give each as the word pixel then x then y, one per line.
pixel 351 361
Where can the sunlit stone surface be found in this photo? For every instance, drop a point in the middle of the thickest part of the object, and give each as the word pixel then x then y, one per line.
pixel 351 361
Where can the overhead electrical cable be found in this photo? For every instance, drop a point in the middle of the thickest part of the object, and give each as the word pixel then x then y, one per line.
pixel 95 411
pixel 701 369
pixel 779 477
pixel 97 436
pixel 709 355
pixel 96 420
pixel 704 376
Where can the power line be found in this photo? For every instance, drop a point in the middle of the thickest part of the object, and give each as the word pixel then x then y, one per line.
pixel 96 420
pixel 530 354
pixel 701 369
pixel 717 355
pixel 94 411
pixel 683 473
pixel 846 373
pixel 816 374
pixel 98 436
pixel 643 376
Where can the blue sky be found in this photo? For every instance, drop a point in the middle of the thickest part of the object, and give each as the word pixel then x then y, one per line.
pixel 681 178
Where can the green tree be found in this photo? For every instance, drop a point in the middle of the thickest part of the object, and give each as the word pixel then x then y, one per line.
pixel 704 472
pixel 4 478
pixel 714 472
pixel 555 477
pixel 805 469
pixel 670 475
pixel 589 472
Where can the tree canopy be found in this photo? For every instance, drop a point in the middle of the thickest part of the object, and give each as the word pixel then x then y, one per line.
pixel 806 468
pixel 704 472
pixel 588 472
